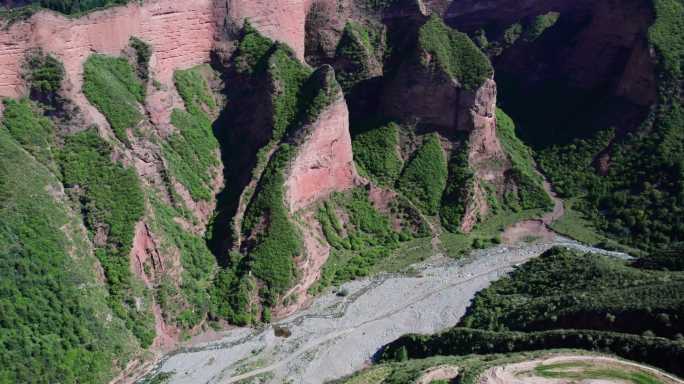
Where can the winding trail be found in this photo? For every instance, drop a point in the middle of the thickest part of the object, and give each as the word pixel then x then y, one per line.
pixel 524 372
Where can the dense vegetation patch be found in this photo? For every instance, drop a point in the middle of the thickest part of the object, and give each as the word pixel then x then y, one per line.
pixel 252 51
pixel 30 129
pixel 192 152
pixel 459 190
pixel 656 351
pixel 44 74
pixel 528 192
pixel 289 77
pixel 539 25
pixel 272 257
pixel 355 53
pixel 454 53
pixel 52 311
pixel 640 199
pixel 365 239
pixel 189 306
pixel 75 7
pixel 110 83
pixel 376 151
pixel 565 299
pixel 564 289
pixel 143 52
pixel 571 167
pixel 424 178
pixel 111 202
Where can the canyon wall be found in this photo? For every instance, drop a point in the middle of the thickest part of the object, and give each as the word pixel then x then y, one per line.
pixel 596 44
pixel 181 33
pixel 282 20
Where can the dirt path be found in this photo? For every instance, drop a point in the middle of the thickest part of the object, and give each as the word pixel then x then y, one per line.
pixel 524 372
pixel 536 229
pixel 337 335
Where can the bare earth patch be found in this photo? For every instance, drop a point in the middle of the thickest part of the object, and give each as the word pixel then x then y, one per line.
pixel 442 372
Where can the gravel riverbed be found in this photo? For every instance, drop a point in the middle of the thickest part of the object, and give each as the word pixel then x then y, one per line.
pixel 338 335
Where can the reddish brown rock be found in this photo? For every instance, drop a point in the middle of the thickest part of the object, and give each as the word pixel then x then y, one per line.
pixel 180 33
pixel 324 162
pixel 282 20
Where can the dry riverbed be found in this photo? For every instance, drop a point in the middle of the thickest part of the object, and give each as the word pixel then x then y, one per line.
pixel 338 335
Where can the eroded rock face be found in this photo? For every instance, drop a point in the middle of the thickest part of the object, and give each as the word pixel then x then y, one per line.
pixel 181 34
pixel 324 161
pixel 282 20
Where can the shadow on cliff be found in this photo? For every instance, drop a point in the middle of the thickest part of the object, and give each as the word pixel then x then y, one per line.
pixel 589 71
pixel 241 129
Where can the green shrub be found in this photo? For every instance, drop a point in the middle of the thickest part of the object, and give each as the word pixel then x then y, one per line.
pixel 143 52
pixel 369 239
pixel 194 91
pixel 512 34
pixel 570 167
pixel 355 50
pixel 44 74
pixel 29 128
pixel 564 289
pixel 272 257
pixel 192 152
pixel 52 326
pixel 289 76
pixel 377 152
pixel 455 53
pixel 111 84
pixel 75 7
pixel 198 264
pixel 539 25
pixel 659 352
pixel 112 202
pixel 459 190
pixel 252 51
pixel 425 176
pixel 530 191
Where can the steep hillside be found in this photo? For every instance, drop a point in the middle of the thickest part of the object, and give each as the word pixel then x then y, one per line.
pixel 602 107
pixel 170 167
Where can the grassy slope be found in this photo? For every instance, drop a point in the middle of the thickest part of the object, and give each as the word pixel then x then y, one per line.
pixel 111 203
pixel 111 84
pixel 529 192
pixel 52 322
pixel 376 152
pixel 424 178
pixel 367 243
pixel 454 53
pixel 191 152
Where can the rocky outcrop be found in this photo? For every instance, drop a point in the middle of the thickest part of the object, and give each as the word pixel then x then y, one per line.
pixel 324 161
pixel 424 93
pixel 324 164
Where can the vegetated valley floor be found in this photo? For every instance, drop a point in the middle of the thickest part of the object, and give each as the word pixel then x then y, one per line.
pixel 338 335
